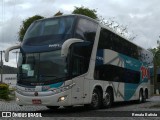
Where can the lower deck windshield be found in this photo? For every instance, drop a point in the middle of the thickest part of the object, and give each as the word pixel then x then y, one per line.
pixel 42 68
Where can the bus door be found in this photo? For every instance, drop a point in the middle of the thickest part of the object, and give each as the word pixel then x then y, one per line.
pixel 79 63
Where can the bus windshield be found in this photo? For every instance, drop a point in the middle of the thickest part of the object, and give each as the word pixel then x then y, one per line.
pixel 44 68
pixel 49 31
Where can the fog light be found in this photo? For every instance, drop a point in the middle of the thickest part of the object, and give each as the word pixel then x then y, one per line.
pixel 63 98
pixel 17 99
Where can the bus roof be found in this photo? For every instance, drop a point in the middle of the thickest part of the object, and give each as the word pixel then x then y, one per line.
pixel 101 25
pixel 77 15
pixel 106 27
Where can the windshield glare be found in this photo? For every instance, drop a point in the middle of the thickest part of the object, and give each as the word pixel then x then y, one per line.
pixel 49 31
pixel 42 67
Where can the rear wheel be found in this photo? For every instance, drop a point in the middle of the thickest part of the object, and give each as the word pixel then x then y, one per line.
pixel 53 107
pixel 108 100
pixel 145 96
pixel 141 98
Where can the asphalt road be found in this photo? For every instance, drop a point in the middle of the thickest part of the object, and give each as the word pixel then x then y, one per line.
pixel 120 110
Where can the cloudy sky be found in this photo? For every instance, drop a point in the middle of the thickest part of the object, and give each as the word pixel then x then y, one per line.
pixel 142 17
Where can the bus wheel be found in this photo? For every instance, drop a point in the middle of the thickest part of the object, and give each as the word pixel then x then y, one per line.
pixel 140 97
pixel 53 107
pixel 96 99
pixel 145 96
pixel 108 100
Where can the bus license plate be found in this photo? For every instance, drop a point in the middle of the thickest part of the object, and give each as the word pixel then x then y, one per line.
pixel 36 101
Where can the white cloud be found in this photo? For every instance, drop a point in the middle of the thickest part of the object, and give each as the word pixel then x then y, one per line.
pixel 142 17
pixel 25 6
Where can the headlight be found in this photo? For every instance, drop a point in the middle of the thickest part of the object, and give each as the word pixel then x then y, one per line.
pixel 17 99
pixel 63 98
pixel 62 89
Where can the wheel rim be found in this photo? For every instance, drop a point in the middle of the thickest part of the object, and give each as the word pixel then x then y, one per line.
pixel 107 99
pixel 95 99
pixel 140 97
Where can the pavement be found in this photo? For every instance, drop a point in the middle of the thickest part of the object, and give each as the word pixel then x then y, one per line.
pixel 12 106
pixel 124 106
pixel 152 104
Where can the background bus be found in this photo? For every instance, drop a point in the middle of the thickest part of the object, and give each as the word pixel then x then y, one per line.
pixel 73 60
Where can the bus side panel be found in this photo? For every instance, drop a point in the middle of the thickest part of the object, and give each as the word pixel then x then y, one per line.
pixel 77 90
pixel 124 74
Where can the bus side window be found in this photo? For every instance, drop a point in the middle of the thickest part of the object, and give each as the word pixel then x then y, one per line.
pixel 80 58
pixel 86 30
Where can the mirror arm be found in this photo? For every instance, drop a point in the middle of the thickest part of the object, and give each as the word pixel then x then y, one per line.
pixel 6 55
pixel 67 44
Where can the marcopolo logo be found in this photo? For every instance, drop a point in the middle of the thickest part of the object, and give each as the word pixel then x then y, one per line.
pixel 55 45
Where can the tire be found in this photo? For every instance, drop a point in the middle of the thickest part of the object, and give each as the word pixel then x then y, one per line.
pixel 141 98
pixel 53 107
pixel 96 101
pixel 108 100
pixel 145 96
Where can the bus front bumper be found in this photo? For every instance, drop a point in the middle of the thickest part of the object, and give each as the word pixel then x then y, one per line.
pixel 60 99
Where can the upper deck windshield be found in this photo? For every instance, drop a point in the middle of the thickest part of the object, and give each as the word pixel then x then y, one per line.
pixel 49 31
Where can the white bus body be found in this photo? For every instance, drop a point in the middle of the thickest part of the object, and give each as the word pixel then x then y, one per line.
pixel 117 69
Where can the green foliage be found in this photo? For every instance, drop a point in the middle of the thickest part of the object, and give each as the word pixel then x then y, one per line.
pixel 58 13
pixel 85 11
pixel 156 53
pixel 4 91
pixel 156 63
pixel 26 24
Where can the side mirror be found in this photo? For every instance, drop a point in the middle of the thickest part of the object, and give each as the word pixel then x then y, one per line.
pixel 6 55
pixel 67 44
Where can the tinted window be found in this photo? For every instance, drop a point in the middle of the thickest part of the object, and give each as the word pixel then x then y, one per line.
pixel 158 77
pixel 116 74
pixel 109 40
pixel 81 53
pixel 50 31
pixel 146 56
pixel 46 68
pixel 86 30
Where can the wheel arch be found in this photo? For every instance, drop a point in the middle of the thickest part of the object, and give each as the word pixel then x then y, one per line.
pixel 99 87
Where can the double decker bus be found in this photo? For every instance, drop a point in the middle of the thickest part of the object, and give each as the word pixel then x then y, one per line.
pixel 74 60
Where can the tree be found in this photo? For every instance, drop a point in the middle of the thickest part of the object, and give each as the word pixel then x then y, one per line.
pixel 26 24
pixel 58 13
pixel 156 61
pixel 85 11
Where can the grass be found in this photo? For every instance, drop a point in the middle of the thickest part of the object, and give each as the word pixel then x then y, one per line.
pixel 11 95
